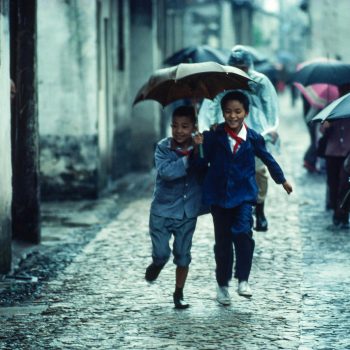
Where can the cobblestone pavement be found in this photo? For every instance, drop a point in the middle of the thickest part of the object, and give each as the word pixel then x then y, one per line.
pixel 325 320
pixel 299 280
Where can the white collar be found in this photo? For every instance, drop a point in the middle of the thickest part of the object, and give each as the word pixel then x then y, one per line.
pixel 243 132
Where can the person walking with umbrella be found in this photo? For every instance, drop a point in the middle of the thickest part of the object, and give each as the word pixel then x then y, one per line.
pixel 337 149
pixel 263 118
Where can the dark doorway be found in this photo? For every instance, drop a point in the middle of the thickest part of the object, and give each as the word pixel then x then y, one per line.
pixel 24 125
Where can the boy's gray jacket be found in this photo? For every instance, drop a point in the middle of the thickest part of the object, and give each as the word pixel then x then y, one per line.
pixel 177 189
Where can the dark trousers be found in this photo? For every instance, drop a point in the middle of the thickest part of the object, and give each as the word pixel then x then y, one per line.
pixel 338 185
pixel 233 227
pixel 310 155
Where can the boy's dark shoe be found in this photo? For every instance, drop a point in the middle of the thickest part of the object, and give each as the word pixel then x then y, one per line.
pixel 152 272
pixel 178 301
pixel 260 222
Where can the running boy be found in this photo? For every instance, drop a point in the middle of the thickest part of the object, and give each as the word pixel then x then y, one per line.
pixel 230 189
pixel 176 201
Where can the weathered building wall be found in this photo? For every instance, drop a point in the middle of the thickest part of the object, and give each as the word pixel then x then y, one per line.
pixel 203 23
pixel 329 29
pixel 5 142
pixel 144 58
pixel 115 122
pixel 266 30
pixel 67 94
pixel 93 56
pixel 227 31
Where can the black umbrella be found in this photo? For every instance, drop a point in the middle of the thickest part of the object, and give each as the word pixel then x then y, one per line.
pixel 192 80
pixel 329 72
pixel 269 69
pixel 338 109
pixel 196 54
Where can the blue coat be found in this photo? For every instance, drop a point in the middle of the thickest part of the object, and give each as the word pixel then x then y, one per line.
pixel 178 191
pixel 230 179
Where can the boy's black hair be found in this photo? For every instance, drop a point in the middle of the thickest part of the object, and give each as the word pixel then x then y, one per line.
pixel 185 111
pixel 238 96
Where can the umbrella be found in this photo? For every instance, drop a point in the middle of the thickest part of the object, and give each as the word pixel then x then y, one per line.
pixel 192 80
pixel 338 109
pixel 195 54
pixel 318 95
pixel 329 72
pixel 267 68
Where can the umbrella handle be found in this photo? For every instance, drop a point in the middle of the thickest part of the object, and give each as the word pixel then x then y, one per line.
pixel 201 153
pixel 194 103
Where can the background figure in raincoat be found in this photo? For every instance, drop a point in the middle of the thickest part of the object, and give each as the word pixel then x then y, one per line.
pixel 263 118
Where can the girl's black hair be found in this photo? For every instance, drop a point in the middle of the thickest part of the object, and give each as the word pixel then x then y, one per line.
pixel 238 96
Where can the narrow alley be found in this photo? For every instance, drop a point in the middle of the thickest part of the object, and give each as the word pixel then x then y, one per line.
pixel 299 280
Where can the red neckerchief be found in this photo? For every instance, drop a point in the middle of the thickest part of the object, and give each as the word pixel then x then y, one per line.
pixel 232 134
pixel 182 152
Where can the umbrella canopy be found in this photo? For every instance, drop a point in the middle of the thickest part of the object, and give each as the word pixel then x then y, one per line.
pixel 196 54
pixel 338 109
pixel 318 95
pixel 267 68
pixel 192 80
pixel 329 72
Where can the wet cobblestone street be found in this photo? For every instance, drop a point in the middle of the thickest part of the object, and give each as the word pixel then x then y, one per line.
pixel 300 281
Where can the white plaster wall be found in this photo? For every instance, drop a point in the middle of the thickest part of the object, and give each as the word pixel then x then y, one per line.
pixel 67 61
pixel 227 27
pixel 330 28
pixel 5 119
pixel 269 27
pixel 144 59
pixel 146 112
pixel 197 29
pixel 5 144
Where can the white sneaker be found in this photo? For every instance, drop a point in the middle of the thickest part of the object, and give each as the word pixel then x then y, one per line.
pixel 223 296
pixel 244 289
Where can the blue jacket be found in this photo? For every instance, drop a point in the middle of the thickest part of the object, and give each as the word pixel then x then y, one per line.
pixel 178 190
pixel 230 179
